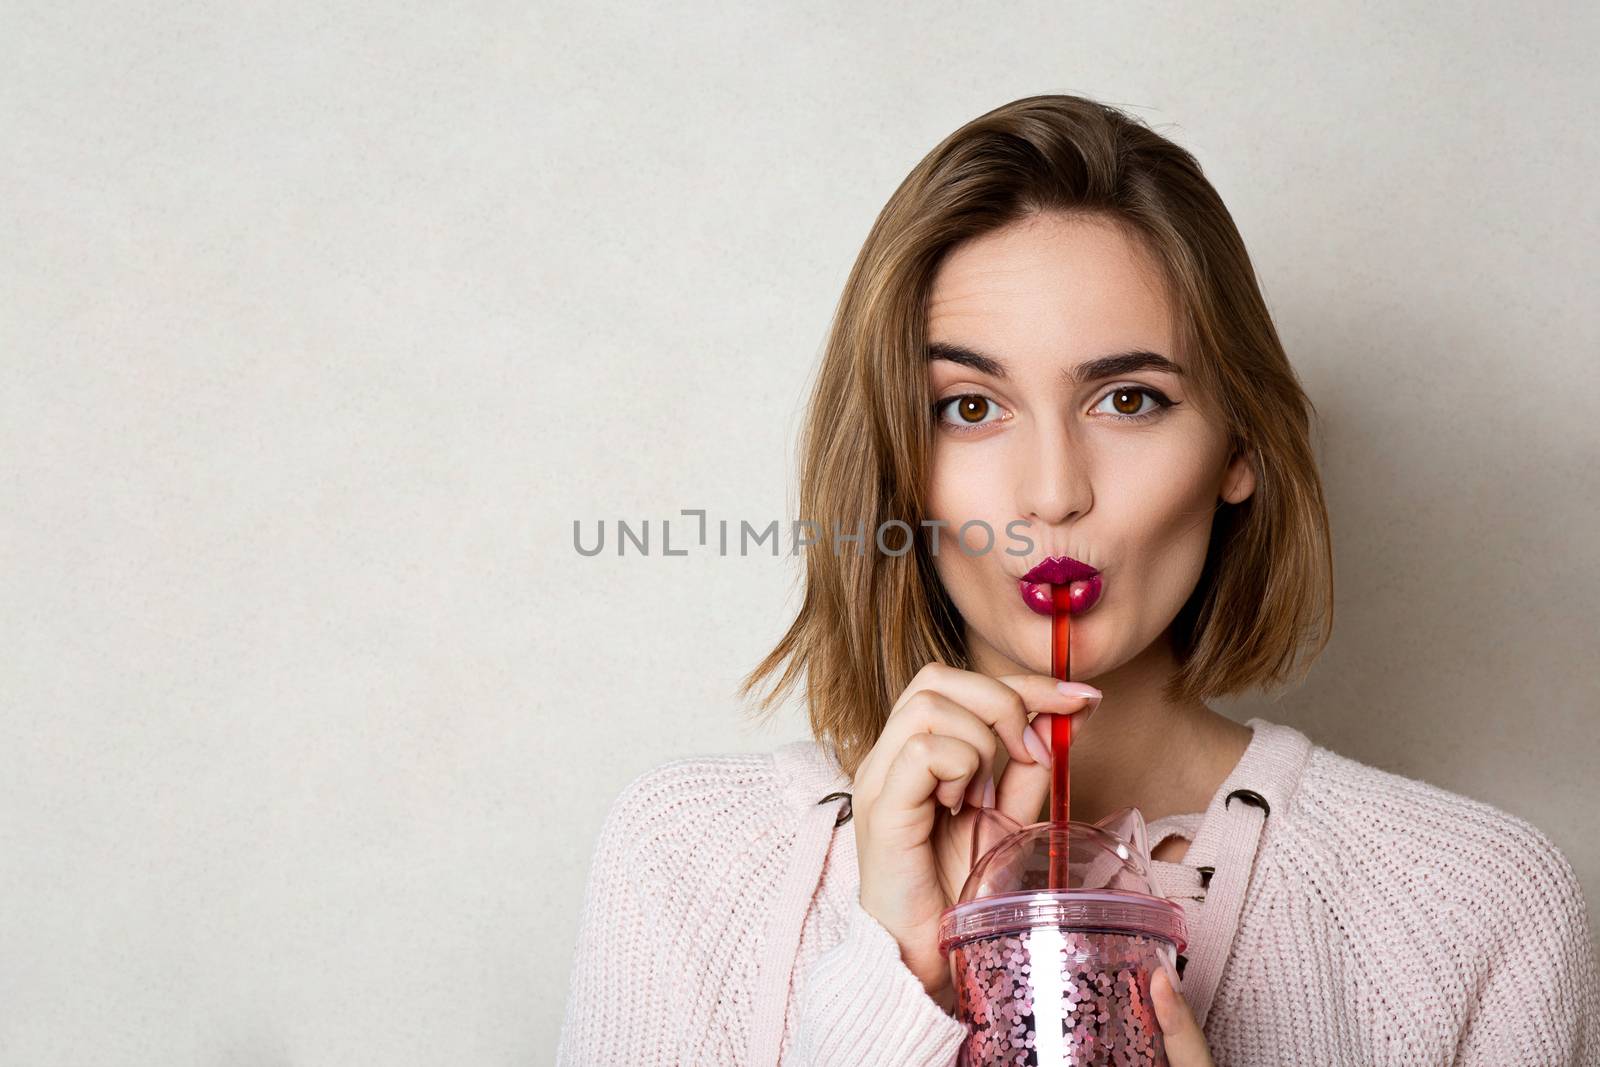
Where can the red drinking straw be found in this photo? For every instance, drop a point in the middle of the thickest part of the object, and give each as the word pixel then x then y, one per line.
pixel 1060 729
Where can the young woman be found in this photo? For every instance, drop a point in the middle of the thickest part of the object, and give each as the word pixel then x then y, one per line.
pixel 1054 333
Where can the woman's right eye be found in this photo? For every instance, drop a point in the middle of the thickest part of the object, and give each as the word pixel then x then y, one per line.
pixel 968 410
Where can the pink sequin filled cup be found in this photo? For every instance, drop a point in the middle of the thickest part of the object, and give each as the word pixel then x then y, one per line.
pixel 1060 976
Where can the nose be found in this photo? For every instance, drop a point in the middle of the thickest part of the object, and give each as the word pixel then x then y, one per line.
pixel 1053 480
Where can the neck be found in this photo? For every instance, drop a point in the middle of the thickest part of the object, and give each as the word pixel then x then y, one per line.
pixel 1140 749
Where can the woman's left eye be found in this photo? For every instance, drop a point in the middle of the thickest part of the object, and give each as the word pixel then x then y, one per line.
pixel 1127 402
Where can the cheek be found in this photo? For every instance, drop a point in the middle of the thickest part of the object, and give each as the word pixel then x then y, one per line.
pixel 954 493
pixel 1167 518
pixel 959 492
pixel 958 488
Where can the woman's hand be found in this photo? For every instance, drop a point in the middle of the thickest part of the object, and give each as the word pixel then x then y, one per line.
pixel 1185 1044
pixel 936 752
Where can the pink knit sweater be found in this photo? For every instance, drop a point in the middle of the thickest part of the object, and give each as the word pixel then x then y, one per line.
pixel 1362 918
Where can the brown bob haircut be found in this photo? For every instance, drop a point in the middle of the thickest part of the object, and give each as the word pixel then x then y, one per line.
pixel 868 622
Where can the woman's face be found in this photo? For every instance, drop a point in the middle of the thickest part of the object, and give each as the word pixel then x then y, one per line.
pixel 1098 466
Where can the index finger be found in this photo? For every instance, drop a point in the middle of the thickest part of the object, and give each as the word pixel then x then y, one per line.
pixel 1004 702
pixel 1040 692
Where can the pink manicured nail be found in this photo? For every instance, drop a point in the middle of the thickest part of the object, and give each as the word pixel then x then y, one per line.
pixel 1033 740
pixel 974 794
pixel 988 793
pixel 1079 689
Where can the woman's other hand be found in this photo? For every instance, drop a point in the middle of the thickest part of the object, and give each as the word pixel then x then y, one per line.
pixel 937 752
pixel 1185 1044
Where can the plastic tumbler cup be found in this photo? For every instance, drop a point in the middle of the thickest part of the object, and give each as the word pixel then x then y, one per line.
pixel 1060 976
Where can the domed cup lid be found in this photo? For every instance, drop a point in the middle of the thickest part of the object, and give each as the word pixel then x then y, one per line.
pixel 1079 875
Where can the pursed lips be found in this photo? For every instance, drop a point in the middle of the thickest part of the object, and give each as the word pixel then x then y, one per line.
pixel 1085 585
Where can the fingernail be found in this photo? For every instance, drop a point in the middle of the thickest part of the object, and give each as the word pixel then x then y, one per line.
pixel 955 809
pixel 988 793
pixel 1079 689
pixel 1033 740
pixel 974 794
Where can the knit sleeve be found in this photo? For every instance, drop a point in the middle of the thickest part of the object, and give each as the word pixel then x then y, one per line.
pixel 1538 997
pixel 616 1000
pixel 860 1004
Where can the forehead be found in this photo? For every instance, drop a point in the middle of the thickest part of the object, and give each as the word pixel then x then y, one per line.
pixel 1051 286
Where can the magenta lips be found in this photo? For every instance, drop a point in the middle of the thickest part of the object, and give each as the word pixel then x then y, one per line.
pixel 1084 582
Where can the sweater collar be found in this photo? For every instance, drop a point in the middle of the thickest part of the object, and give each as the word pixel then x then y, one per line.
pixel 807 772
pixel 1271 765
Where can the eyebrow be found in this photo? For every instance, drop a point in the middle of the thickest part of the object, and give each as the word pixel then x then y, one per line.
pixel 1089 371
